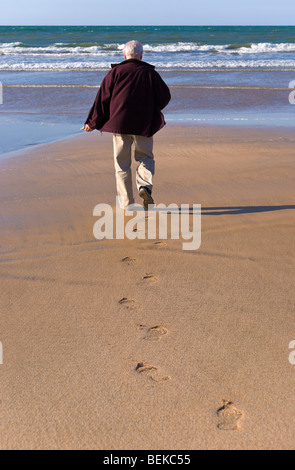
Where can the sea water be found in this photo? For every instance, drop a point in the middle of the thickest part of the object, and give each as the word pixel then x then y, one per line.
pixel 218 75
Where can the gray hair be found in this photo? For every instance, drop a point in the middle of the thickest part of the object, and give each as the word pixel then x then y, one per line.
pixel 133 49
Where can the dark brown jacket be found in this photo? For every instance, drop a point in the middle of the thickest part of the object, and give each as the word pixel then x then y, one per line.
pixel 130 100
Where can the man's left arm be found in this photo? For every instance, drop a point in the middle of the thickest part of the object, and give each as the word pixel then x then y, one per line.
pixel 163 95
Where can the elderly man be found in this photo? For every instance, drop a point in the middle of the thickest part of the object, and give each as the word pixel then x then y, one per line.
pixel 129 104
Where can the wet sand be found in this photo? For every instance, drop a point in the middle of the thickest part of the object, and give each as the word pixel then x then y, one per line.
pixel 196 356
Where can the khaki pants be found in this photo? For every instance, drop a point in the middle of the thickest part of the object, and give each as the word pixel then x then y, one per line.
pixel 143 153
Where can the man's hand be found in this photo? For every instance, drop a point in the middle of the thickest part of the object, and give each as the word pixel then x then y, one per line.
pixel 86 128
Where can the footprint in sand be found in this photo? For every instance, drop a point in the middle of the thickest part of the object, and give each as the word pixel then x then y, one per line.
pixel 128 260
pixel 149 277
pixel 128 303
pixel 229 417
pixel 155 333
pixel 151 372
pixel 160 244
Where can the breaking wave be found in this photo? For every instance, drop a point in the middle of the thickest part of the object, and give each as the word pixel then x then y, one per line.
pixel 59 49
pixel 168 65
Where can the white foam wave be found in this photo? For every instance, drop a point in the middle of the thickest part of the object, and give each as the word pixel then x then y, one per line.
pixel 165 65
pixel 10 44
pixel 55 50
pixel 264 47
pixel 16 48
pixel 259 48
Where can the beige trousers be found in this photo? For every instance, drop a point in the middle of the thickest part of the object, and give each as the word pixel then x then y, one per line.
pixel 143 153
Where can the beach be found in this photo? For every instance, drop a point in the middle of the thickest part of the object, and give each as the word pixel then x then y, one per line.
pixel 122 344
pixel 197 357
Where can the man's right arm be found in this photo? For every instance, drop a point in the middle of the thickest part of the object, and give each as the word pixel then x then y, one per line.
pixel 100 111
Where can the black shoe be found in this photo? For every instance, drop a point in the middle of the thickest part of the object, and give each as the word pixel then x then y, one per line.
pixel 146 195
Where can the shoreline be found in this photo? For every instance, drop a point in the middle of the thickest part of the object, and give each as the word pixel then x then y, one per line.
pixel 54 104
pixel 32 147
pixel 182 122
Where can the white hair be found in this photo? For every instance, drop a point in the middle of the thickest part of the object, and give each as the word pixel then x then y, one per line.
pixel 133 49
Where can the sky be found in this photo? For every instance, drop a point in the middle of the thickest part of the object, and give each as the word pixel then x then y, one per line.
pixel 147 12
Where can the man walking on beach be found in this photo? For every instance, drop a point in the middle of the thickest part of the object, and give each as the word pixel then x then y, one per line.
pixel 129 104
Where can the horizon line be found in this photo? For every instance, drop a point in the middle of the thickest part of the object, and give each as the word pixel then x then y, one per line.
pixel 151 25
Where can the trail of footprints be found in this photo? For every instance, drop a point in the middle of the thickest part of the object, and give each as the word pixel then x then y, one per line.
pixel 229 417
pixel 150 333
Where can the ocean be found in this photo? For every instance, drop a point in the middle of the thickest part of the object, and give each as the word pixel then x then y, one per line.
pixel 218 75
